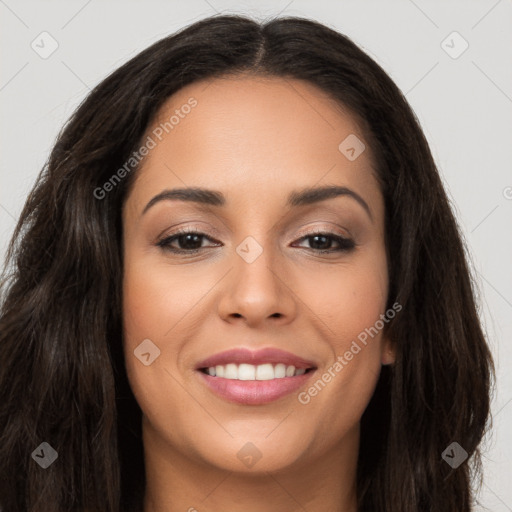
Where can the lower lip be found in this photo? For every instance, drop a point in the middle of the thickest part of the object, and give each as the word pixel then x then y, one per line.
pixel 254 392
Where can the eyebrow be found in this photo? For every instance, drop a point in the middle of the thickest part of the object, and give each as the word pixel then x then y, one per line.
pixel 296 198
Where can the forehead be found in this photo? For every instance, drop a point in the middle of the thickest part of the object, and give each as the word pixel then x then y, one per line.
pixel 246 134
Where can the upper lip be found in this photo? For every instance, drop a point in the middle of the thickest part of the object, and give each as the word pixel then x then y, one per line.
pixel 255 357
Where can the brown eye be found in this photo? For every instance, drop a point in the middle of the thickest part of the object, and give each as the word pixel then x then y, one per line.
pixel 189 242
pixel 323 242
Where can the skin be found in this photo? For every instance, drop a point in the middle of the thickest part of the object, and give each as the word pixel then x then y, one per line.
pixel 255 140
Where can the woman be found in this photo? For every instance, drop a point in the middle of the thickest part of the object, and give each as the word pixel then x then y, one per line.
pixel 238 285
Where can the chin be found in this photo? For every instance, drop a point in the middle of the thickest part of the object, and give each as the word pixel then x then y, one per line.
pixel 256 451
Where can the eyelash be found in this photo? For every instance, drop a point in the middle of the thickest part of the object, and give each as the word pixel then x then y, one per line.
pixel 346 244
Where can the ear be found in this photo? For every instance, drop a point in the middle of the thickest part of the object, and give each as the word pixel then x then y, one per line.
pixel 388 351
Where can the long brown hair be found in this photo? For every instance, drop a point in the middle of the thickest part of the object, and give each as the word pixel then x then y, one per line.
pixel 62 375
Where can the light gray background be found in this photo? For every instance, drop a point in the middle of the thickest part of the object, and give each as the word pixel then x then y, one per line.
pixel 463 104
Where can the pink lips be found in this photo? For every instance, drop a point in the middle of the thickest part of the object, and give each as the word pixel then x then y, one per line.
pixel 255 392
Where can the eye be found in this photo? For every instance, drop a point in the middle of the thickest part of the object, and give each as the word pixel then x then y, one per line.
pixel 322 242
pixel 190 242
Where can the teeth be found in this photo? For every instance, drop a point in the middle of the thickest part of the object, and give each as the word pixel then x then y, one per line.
pixel 231 371
pixel 265 371
pixel 280 371
pixel 245 372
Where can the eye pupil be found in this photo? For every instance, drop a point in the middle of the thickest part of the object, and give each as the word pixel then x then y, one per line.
pixel 185 239
pixel 325 239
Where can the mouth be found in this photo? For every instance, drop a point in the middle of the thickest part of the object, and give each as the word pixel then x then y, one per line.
pixel 254 377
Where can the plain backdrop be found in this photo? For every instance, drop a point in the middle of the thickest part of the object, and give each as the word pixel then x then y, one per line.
pixel 463 102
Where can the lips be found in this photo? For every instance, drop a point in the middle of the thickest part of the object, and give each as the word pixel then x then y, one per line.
pixel 251 377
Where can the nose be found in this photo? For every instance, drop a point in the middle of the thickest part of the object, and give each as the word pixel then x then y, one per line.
pixel 258 292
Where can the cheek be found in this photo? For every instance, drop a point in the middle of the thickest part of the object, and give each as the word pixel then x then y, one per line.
pixel 348 304
pixel 151 307
pixel 348 299
pixel 156 297
pixel 154 302
pixel 162 303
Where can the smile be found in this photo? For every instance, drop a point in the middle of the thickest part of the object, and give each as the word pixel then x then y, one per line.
pixel 251 377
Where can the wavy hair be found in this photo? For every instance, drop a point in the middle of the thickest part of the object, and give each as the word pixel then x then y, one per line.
pixel 62 374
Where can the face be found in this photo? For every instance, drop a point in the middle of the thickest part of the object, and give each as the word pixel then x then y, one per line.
pixel 289 283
